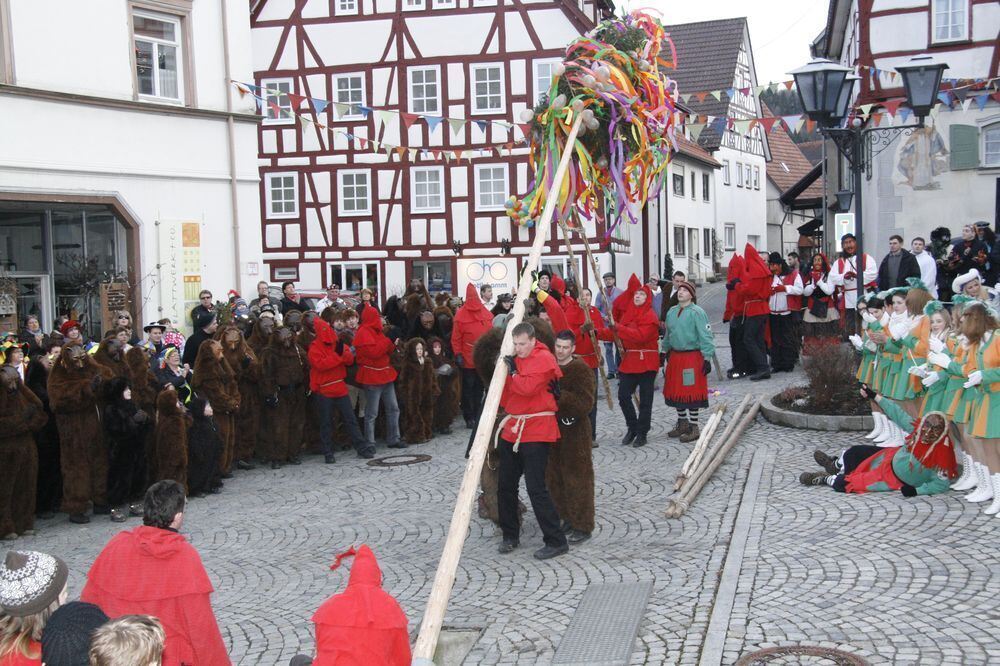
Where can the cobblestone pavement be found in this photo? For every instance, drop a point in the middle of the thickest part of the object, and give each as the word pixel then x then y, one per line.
pixel 892 580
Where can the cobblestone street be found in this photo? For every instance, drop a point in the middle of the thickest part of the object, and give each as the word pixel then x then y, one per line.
pixel 758 561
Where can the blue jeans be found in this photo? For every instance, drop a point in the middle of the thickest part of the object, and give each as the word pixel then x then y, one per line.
pixel 325 407
pixel 374 395
pixel 611 358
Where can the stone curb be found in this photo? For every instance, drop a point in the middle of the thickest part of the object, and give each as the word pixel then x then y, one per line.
pixel 790 419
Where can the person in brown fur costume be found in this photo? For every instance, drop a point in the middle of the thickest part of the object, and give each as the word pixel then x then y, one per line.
pixel 283 376
pixel 485 354
pixel 215 381
pixel 245 364
pixel 445 321
pixel 570 472
pixel 450 382
pixel 172 422
pixel 111 354
pixel 263 327
pixel 74 384
pixel 21 414
pixel 305 337
pixel 418 388
pixel 144 389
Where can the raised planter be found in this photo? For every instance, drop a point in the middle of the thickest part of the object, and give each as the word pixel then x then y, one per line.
pixel 790 419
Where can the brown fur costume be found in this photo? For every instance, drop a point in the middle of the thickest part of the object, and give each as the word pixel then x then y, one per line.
pixel 144 387
pixel 305 337
pixel 21 414
pixel 246 366
pixel 485 355
pixel 257 341
pixel 449 404
pixel 116 366
pixel 419 391
pixel 172 423
pixel 83 455
pixel 569 475
pixel 215 381
pixel 283 377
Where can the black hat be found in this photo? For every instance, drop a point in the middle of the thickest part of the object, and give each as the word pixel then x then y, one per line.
pixel 775 258
pixel 204 319
pixel 67 634
pixel 503 298
pixel 153 324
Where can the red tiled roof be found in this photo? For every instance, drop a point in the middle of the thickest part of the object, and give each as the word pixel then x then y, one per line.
pixel 788 165
pixel 691 149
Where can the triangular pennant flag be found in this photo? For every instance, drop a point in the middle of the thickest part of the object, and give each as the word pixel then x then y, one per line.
pixel 966 104
pixel 700 96
pixel 456 125
pixel 342 109
pixel 866 110
pixel 364 110
pixel 243 90
pixel 385 116
pixel 745 91
pixel 945 97
pixel 904 113
pixel 296 100
pixel 408 118
pixel 319 105
pixel 696 131
pixel 482 125
pixel 768 123
pixel 789 84
pixel 758 90
pixel 432 122
pixel 892 105
pixel 275 109
pixel 717 94
pixel 981 100
pixel 413 154
pixel 525 129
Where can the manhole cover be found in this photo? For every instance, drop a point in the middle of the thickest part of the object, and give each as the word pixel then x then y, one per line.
pixel 793 655
pixel 396 461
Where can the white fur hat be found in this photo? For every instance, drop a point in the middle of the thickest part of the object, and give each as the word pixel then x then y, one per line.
pixel 959 283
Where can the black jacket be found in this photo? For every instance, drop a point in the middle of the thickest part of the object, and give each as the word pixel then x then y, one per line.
pixel 191 346
pixel 908 267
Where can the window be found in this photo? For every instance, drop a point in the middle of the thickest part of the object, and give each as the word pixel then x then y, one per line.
pixel 706 243
pixel 739 175
pixel 491 186
pixel 991 146
pixel 730 236
pixel 951 19
pixel 355 276
pixel 427 190
pixel 725 172
pixel 350 89
pixel 275 91
pixel 443 4
pixel 157 55
pixel 678 181
pixel 748 176
pixel 413 5
pixel 287 273
pixel 706 180
pixel 436 275
pixel 424 90
pixel 680 243
pixel 694 177
pixel 346 7
pixel 487 89
pixel 354 195
pixel 543 77
pixel 282 195
pixel 756 178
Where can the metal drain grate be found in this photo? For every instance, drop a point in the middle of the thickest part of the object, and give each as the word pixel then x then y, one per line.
pixel 789 656
pixel 396 461
pixel 603 629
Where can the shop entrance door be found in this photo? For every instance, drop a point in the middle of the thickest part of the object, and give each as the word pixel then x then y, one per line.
pixel 34 297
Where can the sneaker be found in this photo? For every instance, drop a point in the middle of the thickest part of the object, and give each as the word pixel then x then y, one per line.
pixel 79 518
pixel 118 516
pixel 135 509
pixel 813 478
pixel 367 453
pixel 829 463
pixel 507 546
pixel 628 438
pixel 549 552
pixel 640 440
pixel 576 536
pixel 329 459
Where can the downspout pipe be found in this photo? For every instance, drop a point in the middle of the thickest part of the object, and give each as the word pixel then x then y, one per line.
pixel 231 136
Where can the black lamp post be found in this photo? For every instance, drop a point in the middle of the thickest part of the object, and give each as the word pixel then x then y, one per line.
pixel 826 89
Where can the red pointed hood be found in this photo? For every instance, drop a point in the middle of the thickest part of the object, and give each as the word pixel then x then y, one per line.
pixel 370 318
pixel 363 604
pixel 324 332
pixel 735 269
pixel 627 306
pixel 754 267
pixel 473 309
pixel 557 285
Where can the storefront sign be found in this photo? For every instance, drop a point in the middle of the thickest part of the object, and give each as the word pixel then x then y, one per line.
pixel 180 270
pixel 501 274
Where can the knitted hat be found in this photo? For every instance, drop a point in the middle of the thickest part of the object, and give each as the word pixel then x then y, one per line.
pixel 30 581
pixel 691 290
pixel 68 325
pixel 67 635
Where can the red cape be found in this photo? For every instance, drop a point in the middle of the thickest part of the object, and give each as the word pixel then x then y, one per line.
pixel 471 321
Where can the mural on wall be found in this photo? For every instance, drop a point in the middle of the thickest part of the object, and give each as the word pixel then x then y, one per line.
pixel 922 158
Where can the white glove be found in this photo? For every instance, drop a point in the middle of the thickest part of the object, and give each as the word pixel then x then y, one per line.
pixel 856 341
pixel 939 359
pixel 918 370
pixel 871 346
pixel 931 379
pixel 935 344
pixel 975 379
pixel 867 318
pixel 444 370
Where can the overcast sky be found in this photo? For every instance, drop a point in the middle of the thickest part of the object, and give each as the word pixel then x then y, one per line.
pixel 780 30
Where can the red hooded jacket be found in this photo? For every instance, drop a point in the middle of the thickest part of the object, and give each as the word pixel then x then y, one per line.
pixel 527 392
pixel 575 319
pixel 734 300
pixel 638 329
pixel 363 625
pixel 755 284
pixel 151 571
pixel 372 349
pixel 327 368
pixel 471 321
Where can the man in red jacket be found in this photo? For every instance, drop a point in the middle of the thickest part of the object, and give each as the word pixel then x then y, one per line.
pixel 585 348
pixel 526 433
pixel 734 315
pixel 471 321
pixel 153 570
pixel 639 331
pixel 754 286
pixel 329 358
pixel 372 349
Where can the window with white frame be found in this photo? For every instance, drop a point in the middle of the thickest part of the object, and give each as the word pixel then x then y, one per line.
pixel 991 145
pixel 427 190
pixel 491 186
pixel 680 241
pixel 729 231
pixel 756 178
pixel 706 181
pixel 543 76
pixel 346 7
pixel 951 20
pixel 413 5
pixel 425 89
pixel 157 45
pixel 443 4
pixel 275 94
pixel 694 180
pixel 350 89
pixel 487 89
pixel 678 180
pixel 739 174
pixel 725 172
pixel 748 176
pixel 282 195
pixel 354 195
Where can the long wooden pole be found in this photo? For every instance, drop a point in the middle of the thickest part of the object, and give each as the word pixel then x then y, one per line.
pixel 444 579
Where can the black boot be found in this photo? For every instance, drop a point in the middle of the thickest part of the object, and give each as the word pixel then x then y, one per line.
pixel 829 463
pixel 629 437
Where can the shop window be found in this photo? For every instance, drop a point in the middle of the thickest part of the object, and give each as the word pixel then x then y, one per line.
pixel 436 275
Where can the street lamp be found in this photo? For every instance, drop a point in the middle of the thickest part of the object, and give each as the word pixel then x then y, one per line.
pixel 844 198
pixel 826 89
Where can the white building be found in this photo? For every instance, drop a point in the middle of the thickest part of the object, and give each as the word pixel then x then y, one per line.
pixel 124 150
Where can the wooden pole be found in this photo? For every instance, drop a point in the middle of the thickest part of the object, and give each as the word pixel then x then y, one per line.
pixel 701 445
pixel 586 317
pixel 444 579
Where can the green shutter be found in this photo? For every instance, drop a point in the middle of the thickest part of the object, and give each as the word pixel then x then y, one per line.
pixel 964 147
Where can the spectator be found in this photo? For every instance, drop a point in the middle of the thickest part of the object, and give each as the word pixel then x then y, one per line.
pixel 844 275
pixel 786 299
pixel 792 259
pixel 486 294
pixel 968 252
pixel 989 239
pixel 67 635
pixel 131 640
pixel 897 266
pixel 125 432
pixel 32 334
pixel 32 587
pixel 504 304
pixel 820 316
pixel 153 570
pixel 290 300
pixel 170 371
pixel 605 298
pixel 654 286
pixel 154 331
pixel 204 329
pixel 332 299
pixel 928 267
pixel 205 306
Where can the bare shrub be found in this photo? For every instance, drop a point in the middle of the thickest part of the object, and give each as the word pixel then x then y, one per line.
pixel 832 383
